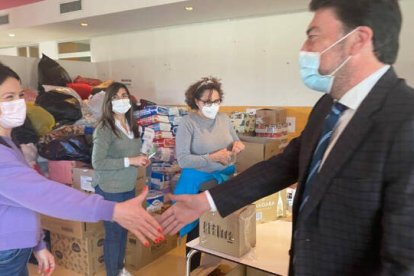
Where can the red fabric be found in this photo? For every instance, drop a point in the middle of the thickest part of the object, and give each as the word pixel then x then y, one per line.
pixel 83 89
pixel 90 81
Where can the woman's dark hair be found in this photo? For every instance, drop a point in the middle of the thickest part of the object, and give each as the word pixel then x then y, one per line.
pixel 6 72
pixel 107 118
pixel 196 90
pixel 382 16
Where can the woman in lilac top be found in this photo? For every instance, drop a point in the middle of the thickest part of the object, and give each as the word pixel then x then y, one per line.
pixel 24 193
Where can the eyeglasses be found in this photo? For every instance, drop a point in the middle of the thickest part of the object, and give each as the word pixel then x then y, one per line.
pixel 210 103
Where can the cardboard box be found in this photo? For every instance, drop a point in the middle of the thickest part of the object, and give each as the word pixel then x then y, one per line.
pixel 71 228
pixel 266 208
pixel 142 173
pixel 82 179
pixel 139 186
pixel 271 207
pixel 138 255
pixel 275 116
pixel 84 256
pixel 256 149
pixel 61 171
pixel 234 235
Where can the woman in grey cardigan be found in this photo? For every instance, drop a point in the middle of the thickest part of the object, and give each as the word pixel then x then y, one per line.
pixel 206 144
pixel 115 156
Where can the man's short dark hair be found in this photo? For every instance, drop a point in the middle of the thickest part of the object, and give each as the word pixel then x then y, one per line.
pixel 382 16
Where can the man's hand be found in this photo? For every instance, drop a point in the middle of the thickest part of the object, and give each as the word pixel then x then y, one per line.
pixel 46 262
pixel 186 209
pixel 131 215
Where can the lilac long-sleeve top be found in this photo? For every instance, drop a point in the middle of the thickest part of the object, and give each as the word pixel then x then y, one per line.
pixel 24 193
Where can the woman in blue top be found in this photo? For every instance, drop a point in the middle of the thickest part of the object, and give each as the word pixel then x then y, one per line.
pixel 206 145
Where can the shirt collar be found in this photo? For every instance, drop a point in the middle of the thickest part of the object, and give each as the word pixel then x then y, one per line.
pixel 354 97
pixel 127 132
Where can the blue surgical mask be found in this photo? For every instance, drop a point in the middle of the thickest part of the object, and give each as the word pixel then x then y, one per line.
pixel 309 69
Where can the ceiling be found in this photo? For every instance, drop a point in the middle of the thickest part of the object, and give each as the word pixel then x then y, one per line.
pixel 148 18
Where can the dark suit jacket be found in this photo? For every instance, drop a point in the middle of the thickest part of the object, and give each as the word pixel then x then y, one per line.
pixel 359 219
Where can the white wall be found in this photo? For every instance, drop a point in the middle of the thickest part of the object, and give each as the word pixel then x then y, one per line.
pixel 26 68
pixel 49 48
pixel 255 58
pixel 9 51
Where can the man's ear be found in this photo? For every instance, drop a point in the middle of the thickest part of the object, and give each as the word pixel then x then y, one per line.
pixel 361 39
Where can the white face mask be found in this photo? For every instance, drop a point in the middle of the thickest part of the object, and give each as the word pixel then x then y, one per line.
pixel 12 113
pixel 210 111
pixel 121 106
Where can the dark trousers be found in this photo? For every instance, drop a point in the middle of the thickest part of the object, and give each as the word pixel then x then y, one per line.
pixel 115 236
pixel 195 260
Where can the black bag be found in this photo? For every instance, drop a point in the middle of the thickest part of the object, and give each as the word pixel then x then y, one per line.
pixel 65 108
pixel 24 134
pixel 51 73
pixel 77 148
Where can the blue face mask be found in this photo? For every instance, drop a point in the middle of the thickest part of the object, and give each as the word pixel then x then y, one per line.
pixel 309 69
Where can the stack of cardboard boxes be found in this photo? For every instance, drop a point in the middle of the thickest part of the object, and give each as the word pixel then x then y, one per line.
pixel 258 149
pixel 78 246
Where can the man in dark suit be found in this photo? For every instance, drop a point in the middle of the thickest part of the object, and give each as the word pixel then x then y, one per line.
pixel 353 213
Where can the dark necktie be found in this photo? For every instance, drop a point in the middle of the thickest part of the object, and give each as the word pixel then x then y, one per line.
pixel 329 124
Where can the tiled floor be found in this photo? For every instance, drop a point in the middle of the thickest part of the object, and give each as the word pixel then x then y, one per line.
pixel 171 264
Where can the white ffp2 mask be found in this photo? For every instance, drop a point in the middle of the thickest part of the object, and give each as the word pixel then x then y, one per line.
pixel 210 111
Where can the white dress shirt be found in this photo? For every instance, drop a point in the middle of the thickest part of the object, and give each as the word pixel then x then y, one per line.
pixel 352 99
pixel 128 133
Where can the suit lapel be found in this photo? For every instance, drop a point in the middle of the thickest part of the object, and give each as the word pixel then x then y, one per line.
pixel 352 136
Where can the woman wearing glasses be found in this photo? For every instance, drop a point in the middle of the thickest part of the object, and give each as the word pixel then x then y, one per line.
pixel 115 156
pixel 206 145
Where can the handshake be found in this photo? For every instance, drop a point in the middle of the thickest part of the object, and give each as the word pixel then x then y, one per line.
pixel 132 216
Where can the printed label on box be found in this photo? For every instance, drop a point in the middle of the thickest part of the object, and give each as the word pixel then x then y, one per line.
pixel 86 183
